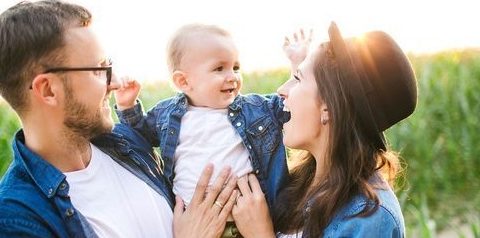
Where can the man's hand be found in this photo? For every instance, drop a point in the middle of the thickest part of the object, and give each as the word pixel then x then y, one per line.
pixel 296 48
pixel 206 216
pixel 128 92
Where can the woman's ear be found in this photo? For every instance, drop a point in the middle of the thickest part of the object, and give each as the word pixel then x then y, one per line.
pixel 45 90
pixel 325 115
pixel 180 80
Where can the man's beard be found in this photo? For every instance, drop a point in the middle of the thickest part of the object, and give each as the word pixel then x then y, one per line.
pixel 80 121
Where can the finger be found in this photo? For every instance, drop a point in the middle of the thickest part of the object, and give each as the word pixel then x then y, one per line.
pixel 179 208
pixel 310 35
pixel 295 37
pixel 243 186
pixel 302 34
pixel 224 196
pixel 202 185
pixel 286 42
pixel 217 186
pixel 228 206
pixel 254 185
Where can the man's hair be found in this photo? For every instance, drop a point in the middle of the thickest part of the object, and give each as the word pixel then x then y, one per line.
pixel 183 37
pixel 31 40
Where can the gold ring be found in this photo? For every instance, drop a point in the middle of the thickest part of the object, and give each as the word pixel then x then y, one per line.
pixel 219 204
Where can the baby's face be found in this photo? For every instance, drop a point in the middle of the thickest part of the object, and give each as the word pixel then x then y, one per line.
pixel 212 70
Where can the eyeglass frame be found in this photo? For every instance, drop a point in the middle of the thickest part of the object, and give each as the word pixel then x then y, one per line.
pixel 70 69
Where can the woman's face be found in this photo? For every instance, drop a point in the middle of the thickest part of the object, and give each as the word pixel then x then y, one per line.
pixel 303 101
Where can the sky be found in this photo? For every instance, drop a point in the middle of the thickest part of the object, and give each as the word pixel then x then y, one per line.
pixel 135 33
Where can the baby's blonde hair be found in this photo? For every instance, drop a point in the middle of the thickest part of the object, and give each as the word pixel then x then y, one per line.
pixel 179 41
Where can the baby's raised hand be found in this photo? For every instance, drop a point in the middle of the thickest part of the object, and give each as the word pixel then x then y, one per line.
pixel 296 47
pixel 128 92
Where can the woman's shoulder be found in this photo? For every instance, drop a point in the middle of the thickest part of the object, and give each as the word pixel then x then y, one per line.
pixel 386 221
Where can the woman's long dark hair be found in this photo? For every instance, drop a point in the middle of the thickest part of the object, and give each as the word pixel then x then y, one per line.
pixel 350 161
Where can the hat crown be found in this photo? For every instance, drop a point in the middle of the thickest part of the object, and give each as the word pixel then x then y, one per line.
pixel 378 77
pixel 386 75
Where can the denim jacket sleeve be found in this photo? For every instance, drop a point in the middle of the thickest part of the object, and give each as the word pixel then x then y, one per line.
pixel 276 105
pixel 144 124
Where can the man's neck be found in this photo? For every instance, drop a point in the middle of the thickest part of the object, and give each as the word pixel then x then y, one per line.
pixel 64 149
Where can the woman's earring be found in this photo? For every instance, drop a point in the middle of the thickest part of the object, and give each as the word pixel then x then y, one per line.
pixel 324 117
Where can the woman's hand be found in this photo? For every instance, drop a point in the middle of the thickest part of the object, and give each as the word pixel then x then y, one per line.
pixel 206 216
pixel 250 212
pixel 296 48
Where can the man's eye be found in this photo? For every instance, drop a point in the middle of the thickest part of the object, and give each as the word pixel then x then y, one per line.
pixel 296 78
pixel 98 72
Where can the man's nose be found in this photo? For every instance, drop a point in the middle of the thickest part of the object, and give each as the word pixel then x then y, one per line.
pixel 115 83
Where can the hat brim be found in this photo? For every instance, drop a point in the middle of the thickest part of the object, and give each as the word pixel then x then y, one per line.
pixel 351 73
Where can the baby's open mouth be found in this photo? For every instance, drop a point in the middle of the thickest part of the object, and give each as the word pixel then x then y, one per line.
pixel 227 90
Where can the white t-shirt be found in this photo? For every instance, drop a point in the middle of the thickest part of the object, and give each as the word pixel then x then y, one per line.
pixel 206 136
pixel 297 235
pixel 116 203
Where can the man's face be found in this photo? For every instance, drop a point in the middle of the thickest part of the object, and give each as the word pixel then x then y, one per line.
pixel 86 109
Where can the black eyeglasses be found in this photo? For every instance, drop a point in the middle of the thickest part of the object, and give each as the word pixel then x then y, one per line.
pixel 107 69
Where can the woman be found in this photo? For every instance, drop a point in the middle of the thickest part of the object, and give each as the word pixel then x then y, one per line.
pixel 341 99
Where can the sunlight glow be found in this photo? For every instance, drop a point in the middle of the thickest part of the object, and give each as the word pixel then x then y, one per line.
pixel 135 33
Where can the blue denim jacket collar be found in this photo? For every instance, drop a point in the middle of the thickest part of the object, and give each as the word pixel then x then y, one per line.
pixel 46 176
pixel 182 101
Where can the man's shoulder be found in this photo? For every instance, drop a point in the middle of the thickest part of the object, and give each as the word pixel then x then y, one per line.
pixel 18 194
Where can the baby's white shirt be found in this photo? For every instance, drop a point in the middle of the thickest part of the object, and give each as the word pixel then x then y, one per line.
pixel 206 136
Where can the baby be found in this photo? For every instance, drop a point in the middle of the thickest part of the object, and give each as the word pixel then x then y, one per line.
pixel 209 121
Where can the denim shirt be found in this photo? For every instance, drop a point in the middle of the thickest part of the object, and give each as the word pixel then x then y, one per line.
pixel 34 200
pixel 386 221
pixel 257 119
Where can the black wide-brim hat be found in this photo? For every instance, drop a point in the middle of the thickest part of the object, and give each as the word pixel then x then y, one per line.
pixel 379 79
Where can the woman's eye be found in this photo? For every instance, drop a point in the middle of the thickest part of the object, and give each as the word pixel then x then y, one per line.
pixel 296 78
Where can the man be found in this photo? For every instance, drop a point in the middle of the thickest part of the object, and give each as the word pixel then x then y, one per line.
pixel 72 177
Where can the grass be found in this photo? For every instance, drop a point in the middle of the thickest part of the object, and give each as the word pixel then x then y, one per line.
pixel 439 143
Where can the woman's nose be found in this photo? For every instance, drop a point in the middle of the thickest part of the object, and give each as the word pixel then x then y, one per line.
pixel 284 89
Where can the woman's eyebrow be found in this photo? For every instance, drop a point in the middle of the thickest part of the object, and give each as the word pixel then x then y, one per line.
pixel 299 73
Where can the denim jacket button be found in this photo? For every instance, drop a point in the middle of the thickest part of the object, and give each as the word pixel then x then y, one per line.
pixel 260 128
pixel 63 186
pixel 257 171
pixel 249 147
pixel 50 191
pixel 172 132
pixel 69 212
pixel 231 114
pixel 238 124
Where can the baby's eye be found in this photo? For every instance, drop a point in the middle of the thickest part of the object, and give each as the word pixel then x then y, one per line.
pixel 220 68
pixel 236 68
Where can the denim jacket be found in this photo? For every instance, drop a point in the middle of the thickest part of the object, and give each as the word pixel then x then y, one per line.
pixel 386 221
pixel 34 200
pixel 257 119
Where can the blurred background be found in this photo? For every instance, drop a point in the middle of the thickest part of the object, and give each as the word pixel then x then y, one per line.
pixel 440 188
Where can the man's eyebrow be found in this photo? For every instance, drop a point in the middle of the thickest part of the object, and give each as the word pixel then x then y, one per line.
pixel 105 61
